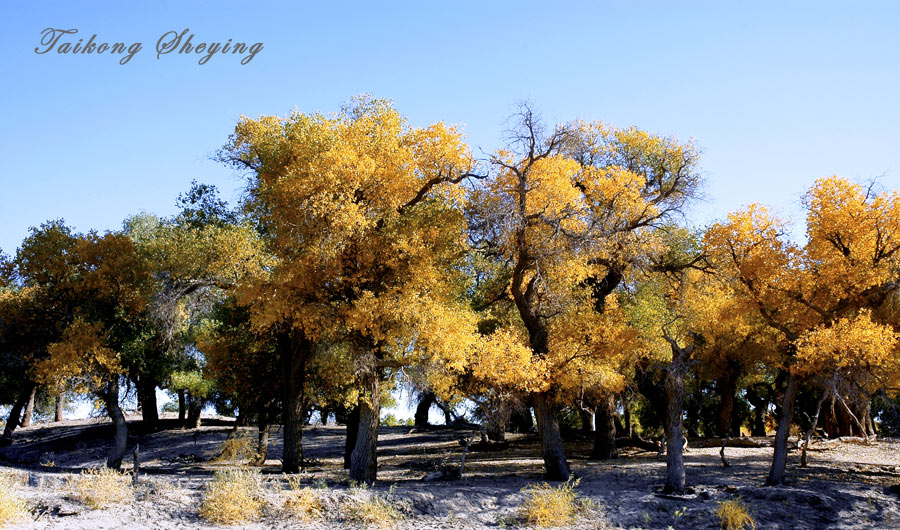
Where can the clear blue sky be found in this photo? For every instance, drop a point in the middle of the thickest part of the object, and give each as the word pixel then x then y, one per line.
pixel 776 94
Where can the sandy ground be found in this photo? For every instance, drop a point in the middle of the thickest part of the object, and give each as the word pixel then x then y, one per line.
pixel 846 486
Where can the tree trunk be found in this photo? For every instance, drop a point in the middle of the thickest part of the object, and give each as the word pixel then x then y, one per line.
pixel 149 409
pixel 626 416
pixel 520 419
pixel 294 351
pixel 324 415
pixel 195 407
pixel 779 456
pixel 605 433
pixel 262 443
pixel 674 383
pixel 352 430
pixel 587 420
pixel 363 460
pixel 15 415
pixel 760 406
pixel 29 409
pixel 182 407
pixel 555 465
pixel 727 387
pixel 110 397
pixel 812 428
pixel 58 416
pixel 425 402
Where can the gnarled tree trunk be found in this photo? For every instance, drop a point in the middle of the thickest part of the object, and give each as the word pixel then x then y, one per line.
pixel 587 420
pixel 779 456
pixel 363 460
pixel 110 396
pixel 605 433
pixel 674 383
pixel 15 415
pixel 29 409
pixel 555 465
pixel 425 402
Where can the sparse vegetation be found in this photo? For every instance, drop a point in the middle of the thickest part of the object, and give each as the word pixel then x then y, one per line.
pixel 12 507
pixel 238 448
pixel 374 511
pixel 546 505
pixel 733 515
pixel 100 488
pixel 233 496
pixel 302 502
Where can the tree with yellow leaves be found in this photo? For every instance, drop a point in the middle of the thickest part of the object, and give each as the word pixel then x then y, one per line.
pixel 848 263
pixel 362 214
pixel 110 284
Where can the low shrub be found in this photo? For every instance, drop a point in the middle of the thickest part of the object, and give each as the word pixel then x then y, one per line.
pixel 101 487
pixel 238 448
pixel 373 511
pixel 546 505
pixel 302 502
pixel 733 515
pixel 12 507
pixel 232 496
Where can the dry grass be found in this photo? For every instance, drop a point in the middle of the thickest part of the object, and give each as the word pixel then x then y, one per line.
pixel 372 511
pixel 238 448
pixel 233 496
pixel 303 503
pixel 733 515
pixel 100 488
pixel 12 507
pixel 546 505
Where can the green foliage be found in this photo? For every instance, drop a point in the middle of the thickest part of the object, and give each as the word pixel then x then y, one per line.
pixel 192 382
pixel 886 411
pixel 389 420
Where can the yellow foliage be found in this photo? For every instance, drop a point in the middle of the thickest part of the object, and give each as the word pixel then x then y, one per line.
pixel 232 497
pixel 373 511
pixel 12 507
pixel 81 357
pixel 302 502
pixel 547 506
pixel 100 488
pixel 240 447
pixel 856 348
pixel 733 515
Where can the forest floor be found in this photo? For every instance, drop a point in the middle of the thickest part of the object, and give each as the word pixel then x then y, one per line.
pixel 845 486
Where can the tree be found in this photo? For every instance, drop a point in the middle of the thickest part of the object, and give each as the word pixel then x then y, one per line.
pixel 550 221
pixel 361 212
pixel 111 284
pixel 35 306
pixel 848 263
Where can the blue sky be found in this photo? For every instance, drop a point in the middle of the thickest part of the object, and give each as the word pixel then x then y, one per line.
pixel 776 95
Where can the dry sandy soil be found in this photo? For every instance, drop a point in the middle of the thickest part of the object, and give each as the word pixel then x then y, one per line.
pixel 846 486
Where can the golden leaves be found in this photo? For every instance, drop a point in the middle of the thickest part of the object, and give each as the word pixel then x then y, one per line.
pixel 82 357
pixel 856 348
